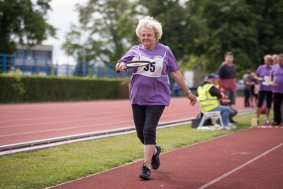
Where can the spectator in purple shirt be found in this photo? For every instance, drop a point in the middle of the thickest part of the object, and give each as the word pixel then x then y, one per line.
pixel 263 74
pixel 277 82
pixel 150 90
pixel 275 58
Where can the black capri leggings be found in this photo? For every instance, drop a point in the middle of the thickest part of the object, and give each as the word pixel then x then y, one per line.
pixel 146 120
pixel 264 95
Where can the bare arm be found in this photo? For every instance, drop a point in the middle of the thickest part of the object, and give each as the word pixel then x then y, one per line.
pixel 178 77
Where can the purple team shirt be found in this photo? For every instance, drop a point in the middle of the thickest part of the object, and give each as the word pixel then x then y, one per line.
pixel 262 71
pixel 277 73
pixel 150 85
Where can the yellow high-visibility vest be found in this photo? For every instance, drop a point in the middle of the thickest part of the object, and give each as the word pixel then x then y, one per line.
pixel 207 102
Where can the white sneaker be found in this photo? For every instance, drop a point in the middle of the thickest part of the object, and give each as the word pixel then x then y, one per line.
pixel 232 126
pixel 204 128
pixel 267 121
pixel 226 128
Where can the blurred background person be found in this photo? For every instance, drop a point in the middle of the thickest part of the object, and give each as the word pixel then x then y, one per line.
pixel 277 82
pixel 254 88
pixel 227 77
pixel 275 59
pixel 263 74
pixel 228 81
pixel 248 83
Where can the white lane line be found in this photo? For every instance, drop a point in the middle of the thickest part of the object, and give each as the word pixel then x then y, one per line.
pixel 93 125
pixel 91 118
pixel 52 121
pixel 54 115
pixel 240 167
pixel 69 128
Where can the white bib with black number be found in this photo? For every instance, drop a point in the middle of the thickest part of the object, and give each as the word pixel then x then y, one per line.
pixel 151 70
pixel 154 69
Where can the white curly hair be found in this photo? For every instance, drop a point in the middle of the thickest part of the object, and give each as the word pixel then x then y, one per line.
pixel 150 22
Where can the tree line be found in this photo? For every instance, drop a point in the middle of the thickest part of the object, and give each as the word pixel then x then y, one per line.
pixel 198 32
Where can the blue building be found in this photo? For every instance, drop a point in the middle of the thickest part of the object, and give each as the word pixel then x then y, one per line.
pixel 30 60
pixel 36 59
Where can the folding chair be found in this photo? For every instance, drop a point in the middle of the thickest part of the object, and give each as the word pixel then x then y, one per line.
pixel 212 115
pixel 206 115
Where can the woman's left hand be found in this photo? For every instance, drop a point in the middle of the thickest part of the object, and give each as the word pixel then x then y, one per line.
pixel 192 98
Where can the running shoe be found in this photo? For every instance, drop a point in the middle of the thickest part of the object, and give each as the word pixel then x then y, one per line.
pixel 275 124
pixel 155 161
pixel 232 126
pixel 225 128
pixel 145 173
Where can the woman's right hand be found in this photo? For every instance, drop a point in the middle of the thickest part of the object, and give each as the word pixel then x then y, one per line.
pixel 121 67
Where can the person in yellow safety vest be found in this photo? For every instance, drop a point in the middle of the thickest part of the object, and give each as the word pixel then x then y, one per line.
pixel 209 98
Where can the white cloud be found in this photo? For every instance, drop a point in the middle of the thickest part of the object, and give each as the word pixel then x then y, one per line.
pixel 62 15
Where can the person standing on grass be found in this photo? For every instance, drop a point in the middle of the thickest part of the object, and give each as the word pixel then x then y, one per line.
pixel 227 79
pixel 150 88
pixel 277 83
pixel 248 83
pixel 263 74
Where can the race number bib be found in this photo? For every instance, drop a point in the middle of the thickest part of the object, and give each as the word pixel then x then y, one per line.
pixel 152 70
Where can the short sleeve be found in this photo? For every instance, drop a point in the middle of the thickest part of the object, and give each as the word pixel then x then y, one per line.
pixel 220 70
pixel 258 71
pixel 172 65
pixel 128 56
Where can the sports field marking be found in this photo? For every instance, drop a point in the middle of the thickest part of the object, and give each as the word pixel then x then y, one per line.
pixel 240 167
pixel 54 116
pixel 269 127
pixel 70 120
pixel 92 125
pixel 46 120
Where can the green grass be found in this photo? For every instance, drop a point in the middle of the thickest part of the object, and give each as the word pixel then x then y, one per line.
pixel 52 166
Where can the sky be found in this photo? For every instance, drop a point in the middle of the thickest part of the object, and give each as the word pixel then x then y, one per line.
pixel 62 15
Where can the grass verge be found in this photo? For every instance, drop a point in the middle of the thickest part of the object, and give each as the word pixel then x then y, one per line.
pixel 43 168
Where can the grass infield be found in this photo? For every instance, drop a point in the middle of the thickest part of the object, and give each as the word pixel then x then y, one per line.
pixel 48 167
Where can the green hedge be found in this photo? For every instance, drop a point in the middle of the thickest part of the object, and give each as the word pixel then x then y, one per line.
pixel 16 88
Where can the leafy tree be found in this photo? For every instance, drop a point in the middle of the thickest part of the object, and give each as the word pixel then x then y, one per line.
pixel 104 33
pixel 248 28
pixel 270 25
pixel 230 26
pixel 198 32
pixel 107 28
pixel 23 22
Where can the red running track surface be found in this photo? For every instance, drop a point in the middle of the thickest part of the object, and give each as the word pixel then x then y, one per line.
pixel 37 121
pixel 243 160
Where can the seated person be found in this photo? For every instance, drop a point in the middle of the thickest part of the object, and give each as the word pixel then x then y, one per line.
pixel 209 98
pixel 226 102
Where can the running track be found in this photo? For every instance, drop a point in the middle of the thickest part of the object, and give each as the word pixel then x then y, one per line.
pixel 38 121
pixel 242 160
pixel 250 159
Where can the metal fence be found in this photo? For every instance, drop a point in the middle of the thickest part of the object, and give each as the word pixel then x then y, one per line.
pixel 41 66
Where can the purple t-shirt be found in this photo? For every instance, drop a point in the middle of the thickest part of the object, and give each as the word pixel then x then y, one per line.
pixel 277 74
pixel 150 85
pixel 264 72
